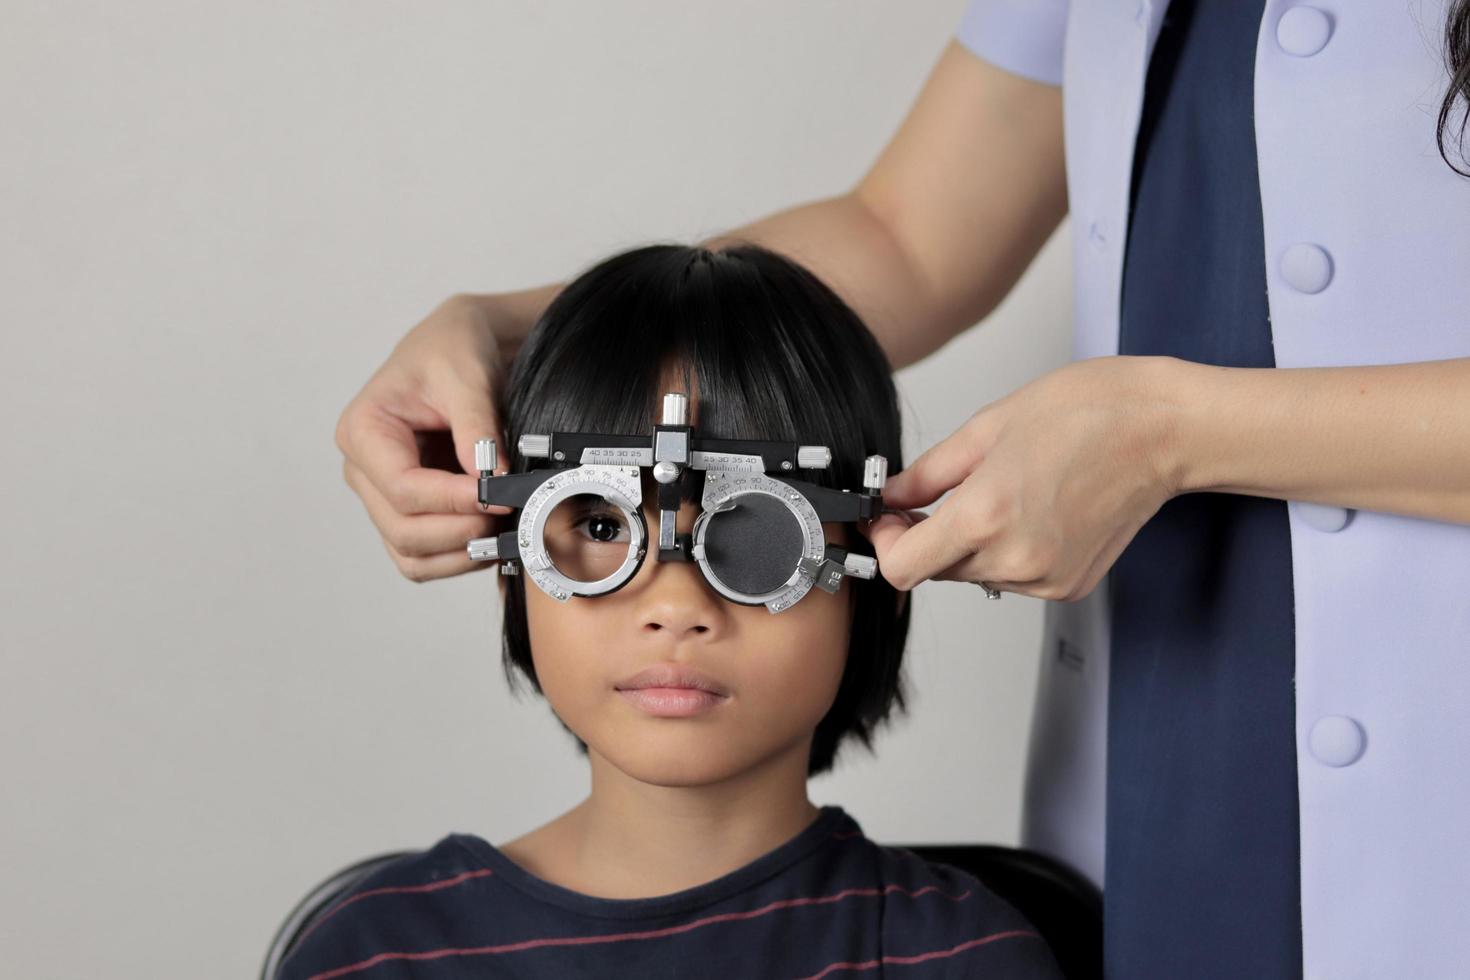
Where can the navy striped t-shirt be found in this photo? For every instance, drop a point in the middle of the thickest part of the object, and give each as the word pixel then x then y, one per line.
pixel 827 903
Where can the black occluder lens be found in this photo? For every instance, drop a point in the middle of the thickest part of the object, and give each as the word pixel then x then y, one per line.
pixel 755 547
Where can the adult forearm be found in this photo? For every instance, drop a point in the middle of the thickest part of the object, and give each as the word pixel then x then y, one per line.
pixel 509 317
pixel 937 231
pixel 846 245
pixel 1392 438
pixel 840 240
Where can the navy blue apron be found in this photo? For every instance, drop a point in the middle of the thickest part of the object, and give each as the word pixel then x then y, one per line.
pixel 1202 862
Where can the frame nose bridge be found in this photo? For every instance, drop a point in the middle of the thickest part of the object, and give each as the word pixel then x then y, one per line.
pixel 675 595
pixel 686 518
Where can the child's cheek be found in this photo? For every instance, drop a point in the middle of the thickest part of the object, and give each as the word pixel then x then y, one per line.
pixel 806 650
pixel 563 644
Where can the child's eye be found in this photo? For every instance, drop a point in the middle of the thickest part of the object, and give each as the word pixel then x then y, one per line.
pixel 587 538
pixel 603 528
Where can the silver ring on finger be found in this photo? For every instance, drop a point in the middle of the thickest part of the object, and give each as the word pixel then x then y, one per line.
pixel 989 592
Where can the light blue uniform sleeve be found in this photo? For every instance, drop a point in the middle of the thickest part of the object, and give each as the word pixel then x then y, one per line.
pixel 1022 36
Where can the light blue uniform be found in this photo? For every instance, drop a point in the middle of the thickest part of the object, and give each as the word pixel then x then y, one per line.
pixel 1367 256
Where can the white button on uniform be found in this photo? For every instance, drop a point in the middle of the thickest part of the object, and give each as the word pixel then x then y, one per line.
pixel 1307 268
pixel 1323 517
pixel 1337 740
pixel 1303 31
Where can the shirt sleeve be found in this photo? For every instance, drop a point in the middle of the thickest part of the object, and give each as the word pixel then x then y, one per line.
pixel 1024 37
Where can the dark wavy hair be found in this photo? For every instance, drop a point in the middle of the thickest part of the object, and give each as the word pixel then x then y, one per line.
pixel 1457 60
pixel 775 354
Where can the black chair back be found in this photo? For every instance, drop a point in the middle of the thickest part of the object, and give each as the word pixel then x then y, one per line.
pixel 313 904
pixel 1065 907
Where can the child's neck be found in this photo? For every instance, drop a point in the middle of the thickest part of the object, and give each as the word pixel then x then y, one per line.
pixel 632 839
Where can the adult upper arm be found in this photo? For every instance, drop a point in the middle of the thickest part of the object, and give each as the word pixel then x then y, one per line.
pixel 974 181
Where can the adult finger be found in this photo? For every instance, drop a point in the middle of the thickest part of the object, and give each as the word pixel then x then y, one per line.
pixel 909 555
pixel 1057 584
pixel 979 567
pixel 434 567
pixel 883 531
pixel 470 412
pixel 940 468
pixel 381 444
pixel 420 535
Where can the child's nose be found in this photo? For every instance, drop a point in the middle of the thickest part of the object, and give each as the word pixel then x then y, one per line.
pixel 673 597
pixel 677 601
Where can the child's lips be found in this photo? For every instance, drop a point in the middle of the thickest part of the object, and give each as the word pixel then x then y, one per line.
pixel 672 702
pixel 669 674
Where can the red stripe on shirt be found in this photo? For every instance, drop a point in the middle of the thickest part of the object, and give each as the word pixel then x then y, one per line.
pixel 786 903
pixel 922 957
pixel 432 886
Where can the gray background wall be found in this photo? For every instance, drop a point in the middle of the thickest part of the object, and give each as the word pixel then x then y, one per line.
pixel 218 218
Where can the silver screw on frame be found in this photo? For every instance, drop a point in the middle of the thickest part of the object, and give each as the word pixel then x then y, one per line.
pixel 484 549
pixel 485 460
pixel 485 457
pixel 532 446
pixel 675 412
pixel 813 457
pixel 676 408
pixel 875 473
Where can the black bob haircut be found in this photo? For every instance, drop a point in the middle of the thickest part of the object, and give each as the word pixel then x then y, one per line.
pixel 775 354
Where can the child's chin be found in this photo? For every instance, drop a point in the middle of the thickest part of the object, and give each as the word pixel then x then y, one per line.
pixel 677 765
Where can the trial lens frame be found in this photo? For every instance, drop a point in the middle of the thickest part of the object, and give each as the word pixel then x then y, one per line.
pixel 609 466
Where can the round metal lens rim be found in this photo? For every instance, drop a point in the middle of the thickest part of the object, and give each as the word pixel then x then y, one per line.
pixel 721 488
pixel 621 487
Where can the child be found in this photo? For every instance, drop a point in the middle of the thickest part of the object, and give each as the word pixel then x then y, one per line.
pixel 697 851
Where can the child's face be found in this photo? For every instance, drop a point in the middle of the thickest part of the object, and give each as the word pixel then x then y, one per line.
pixel 780 673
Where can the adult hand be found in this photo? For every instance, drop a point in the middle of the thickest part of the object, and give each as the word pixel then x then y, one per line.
pixel 408 438
pixel 1050 483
